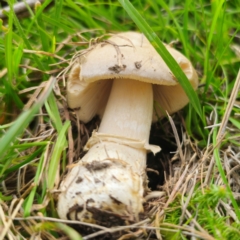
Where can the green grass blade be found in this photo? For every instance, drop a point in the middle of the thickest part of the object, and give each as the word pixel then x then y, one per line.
pixel 209 40
pixel 178 26
pixel 23 120
pixel 160 48
pixel 27 160
pixel 29 200
pixel 52 109
pixel 58 10
pixel 8 46
pixel 39 10
pixel 235 122
pixel 8 38
pixel 91 23
pixel 72 234
pixel 26 40
pixel 60 145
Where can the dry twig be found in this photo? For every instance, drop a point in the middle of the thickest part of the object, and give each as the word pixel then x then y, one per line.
pixel 20 8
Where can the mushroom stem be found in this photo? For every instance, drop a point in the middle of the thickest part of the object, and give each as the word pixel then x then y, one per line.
pixel 128 113
pixel 111 177
pixel 129 110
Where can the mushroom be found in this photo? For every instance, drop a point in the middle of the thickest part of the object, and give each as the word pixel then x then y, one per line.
pixel 119 79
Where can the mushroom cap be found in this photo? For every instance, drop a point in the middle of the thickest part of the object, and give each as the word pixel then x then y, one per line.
pixel 126 55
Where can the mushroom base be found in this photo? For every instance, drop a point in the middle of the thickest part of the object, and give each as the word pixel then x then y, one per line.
pixel 104 182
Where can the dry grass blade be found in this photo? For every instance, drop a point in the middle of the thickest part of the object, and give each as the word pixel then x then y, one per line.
pixel 3 72
pixel 44 53
pixel 7 224
pixel 184 205
pixel 229 210
pixel 176 188
pixel 50 219
pixel 39 70
pixel 176 137
pixel 172 228
pixel 195 223
pixel 190 231
pixel 229 108
pixel 34 96
pixel 223 124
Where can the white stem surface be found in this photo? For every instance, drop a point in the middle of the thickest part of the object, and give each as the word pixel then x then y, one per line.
pixel 111 176
pixel 128 111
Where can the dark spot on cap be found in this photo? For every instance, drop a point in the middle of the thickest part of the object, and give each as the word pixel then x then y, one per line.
pixel 117 69
pixel 138 65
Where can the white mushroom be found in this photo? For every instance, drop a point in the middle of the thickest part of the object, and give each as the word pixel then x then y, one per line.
pixel 111 177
